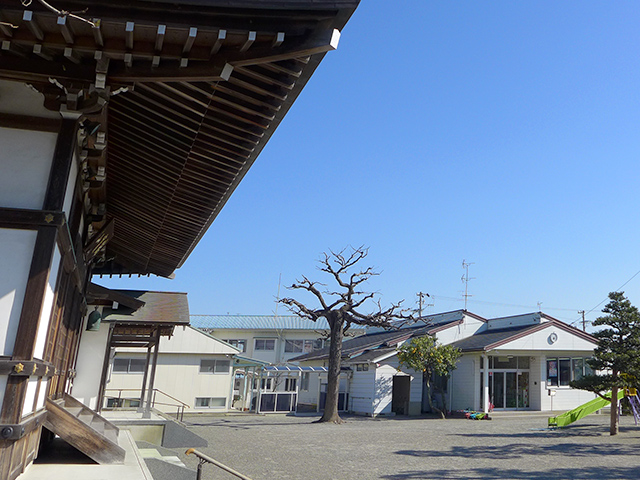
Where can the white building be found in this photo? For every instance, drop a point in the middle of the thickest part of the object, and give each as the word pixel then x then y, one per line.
pixel 271 338
pixel 194 370
pixel 523 362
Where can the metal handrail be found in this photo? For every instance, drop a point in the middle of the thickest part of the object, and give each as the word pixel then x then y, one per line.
pixel 181 405
pixel 206 459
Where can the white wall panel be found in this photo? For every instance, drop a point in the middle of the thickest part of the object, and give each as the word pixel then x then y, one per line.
pixel 89 371
pixel 3 386
pixel 25 164
pixel 47 306
pixel 30 396
pixel 71 186
pixel 16 252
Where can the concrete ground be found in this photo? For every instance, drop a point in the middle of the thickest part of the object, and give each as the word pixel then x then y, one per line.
pixel 507 447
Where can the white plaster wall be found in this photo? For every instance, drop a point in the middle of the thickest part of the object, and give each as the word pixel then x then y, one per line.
pixel 47 306
pixel 91 352
pixel 25 164
pixel 16 252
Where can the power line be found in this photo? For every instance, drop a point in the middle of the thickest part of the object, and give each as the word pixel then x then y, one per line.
pixel 503 304
pixel 617 290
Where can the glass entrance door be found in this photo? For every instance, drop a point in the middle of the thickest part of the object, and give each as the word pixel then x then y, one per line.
pixel 498 390
pixel 509 389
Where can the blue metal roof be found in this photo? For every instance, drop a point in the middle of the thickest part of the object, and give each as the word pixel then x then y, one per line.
pixel 260 322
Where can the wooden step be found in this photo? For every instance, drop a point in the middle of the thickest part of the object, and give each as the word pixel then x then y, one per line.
pixel 74 410
pixel 85 430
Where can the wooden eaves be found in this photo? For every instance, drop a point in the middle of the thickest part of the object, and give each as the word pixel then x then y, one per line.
pixel 195 90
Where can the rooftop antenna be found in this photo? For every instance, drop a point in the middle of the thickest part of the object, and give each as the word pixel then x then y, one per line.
pixel 465 280
pixel 539 307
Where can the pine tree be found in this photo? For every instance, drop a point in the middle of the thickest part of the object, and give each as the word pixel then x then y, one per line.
pixel 616 360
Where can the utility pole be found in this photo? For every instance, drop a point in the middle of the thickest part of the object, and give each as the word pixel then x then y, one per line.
pixel 421 295
pixel 465 279
pixel 584 323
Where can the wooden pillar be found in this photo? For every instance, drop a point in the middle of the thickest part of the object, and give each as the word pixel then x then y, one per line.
pixel 147 411
pixel 144 380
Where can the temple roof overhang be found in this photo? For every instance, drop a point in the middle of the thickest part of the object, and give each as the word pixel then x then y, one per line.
pixel 177 98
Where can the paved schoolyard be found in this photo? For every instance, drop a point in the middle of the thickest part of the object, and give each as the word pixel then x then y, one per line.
pixel 507 447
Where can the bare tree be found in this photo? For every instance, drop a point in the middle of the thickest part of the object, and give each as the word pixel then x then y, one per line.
pixel 340 309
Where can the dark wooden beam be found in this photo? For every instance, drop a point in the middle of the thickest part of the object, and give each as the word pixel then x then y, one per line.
pixel 323 42
pixel 30 70
pixel 26 122
pixel 61 166
pixel 30 219
pixel 103 293
pixel 171 72
pixel 18 368
pixel 18 430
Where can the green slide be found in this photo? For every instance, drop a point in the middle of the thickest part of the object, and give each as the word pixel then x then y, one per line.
pixel 582 411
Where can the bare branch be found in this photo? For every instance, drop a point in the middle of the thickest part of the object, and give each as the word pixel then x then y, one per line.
pixel 300 309
pixel 306 284
pixel 61 13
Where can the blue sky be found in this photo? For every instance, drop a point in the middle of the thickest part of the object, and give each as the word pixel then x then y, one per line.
pixel 502 133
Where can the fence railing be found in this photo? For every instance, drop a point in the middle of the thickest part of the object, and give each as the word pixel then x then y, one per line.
pixel 206 459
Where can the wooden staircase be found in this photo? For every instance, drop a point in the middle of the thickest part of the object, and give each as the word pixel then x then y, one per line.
pixel 84 429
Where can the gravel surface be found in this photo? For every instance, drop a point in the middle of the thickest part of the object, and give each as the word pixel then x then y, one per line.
pixel 507 447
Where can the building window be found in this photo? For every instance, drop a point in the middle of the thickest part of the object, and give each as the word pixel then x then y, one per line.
pixel 213 402
pixel 290 384
pixel 129 365
pixel 265 383
pixel 300 346
pixel 264 344
pixel 561 371
pixel 214 366
pixel 362 367
pixel 240 344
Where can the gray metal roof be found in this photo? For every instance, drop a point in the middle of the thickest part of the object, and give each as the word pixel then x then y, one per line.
pixel 260 322
pixel 482 340
pixel 374 341
pixel 371 355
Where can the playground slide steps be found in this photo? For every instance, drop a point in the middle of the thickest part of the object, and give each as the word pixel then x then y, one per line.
pixel 582 411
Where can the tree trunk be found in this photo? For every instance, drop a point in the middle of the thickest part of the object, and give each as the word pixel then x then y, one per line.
pixel 613 429
pixel 431 405
pixel 333 381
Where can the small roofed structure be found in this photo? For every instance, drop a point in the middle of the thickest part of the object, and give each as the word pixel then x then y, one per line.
pixel 136 319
